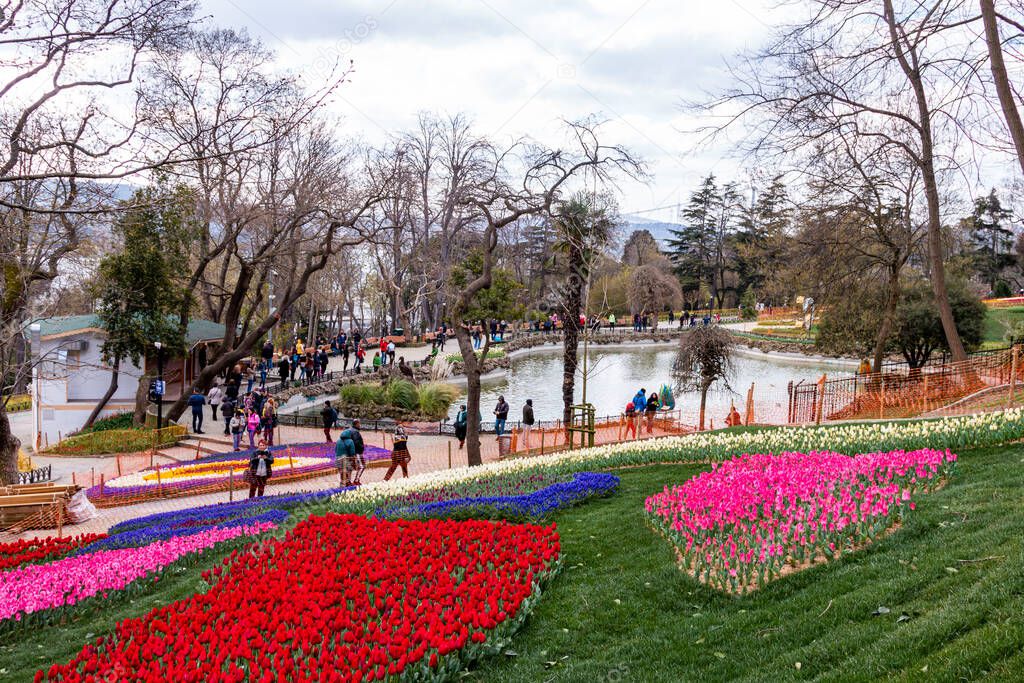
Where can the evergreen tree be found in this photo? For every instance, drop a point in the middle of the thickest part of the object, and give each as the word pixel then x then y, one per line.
pixel 759 241
pixel 137 294
pixel 990 238
pixel 692 248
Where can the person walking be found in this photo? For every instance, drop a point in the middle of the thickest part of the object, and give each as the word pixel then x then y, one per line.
pixel 227 411
pixel 500 416
pixel 383 350
pixel 214 399
pixel 197 401
pixel 360 463
pixel 360 357
pixel 391 352
pixel 260 469
pixel 399 453
pixel 329 416
pixel 528 421
pixel 461 420
pixel 250 377
pixel 345 350
pixel 651 409
pixel 283 366
pixel 252 425
pixel 344 453
pixel 268 419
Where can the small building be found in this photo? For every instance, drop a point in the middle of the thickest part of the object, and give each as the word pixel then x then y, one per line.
pixel 69 376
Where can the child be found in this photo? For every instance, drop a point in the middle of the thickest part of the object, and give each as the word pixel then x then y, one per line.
pixel 237 425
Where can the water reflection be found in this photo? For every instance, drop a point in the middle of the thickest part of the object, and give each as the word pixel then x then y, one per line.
pixel 615 375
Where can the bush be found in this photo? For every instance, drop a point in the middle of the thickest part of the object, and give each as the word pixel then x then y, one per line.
pixel 363 394
pixel 19 403
pixel 118 421
pixel 435 398
pixel 401 393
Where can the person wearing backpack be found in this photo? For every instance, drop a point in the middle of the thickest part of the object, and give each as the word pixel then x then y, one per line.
pixel 330 417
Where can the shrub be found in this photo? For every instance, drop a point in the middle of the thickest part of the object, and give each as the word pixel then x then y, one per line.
pixel 19 403
pixel 118 421
pixel 363 394
pixel 401 393
pixel 434 398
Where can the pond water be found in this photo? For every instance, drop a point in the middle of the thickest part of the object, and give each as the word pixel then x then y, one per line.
pixel 617 374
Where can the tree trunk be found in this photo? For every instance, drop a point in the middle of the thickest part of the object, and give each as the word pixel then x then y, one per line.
pixel 472 367
pixel 115 371
pixel 9 445
pixel 571 333
pixel 703 404
pixel 892 300
pixel 931 187
pixel 1001 80
pixel 142 400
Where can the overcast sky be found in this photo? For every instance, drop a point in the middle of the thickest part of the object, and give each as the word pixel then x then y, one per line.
pixel 517 67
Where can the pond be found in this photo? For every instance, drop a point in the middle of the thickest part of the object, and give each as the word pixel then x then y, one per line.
pixel 617 374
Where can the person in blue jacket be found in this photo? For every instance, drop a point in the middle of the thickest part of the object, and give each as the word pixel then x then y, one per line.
pixel 640 400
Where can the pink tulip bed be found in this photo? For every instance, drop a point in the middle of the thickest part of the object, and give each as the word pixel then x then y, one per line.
pixel 63 583
pixel 755 518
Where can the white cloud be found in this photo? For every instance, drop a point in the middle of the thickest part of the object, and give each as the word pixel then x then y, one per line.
pixel 518 68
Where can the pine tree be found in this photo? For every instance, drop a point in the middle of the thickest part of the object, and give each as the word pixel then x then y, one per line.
pixel 992 241
pixel 692 248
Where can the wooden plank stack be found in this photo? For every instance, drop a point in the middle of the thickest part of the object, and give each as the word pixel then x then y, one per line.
pixel 34 506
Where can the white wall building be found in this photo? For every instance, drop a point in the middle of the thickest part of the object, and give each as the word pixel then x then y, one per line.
pixel 69 376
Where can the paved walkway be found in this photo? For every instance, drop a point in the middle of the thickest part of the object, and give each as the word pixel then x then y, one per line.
pixel 429 453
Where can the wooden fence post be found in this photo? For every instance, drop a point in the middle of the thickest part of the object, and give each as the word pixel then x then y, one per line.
pixel 881 396
pixel 821 400
pixel 449 455
pixel 542 441
pixel 159 484
pixel 73 482
pixel 749 416
pixel 1013 376
pixel 118 464
pixel 101 483
pixel 231 484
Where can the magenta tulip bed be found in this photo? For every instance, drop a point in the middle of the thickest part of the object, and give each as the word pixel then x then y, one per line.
pixel 755 518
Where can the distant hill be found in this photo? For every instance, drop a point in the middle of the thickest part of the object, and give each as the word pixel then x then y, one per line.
pixel 660 230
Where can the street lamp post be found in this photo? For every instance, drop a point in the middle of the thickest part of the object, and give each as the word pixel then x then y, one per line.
pixel 159 385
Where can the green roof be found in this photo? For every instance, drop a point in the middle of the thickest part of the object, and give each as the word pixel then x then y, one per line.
pixel 198 329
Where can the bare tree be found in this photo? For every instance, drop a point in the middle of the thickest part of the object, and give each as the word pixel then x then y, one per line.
pixel 1000 76
pixel 705 357
pixel 502 202
pixel 888 70
pixel 65 121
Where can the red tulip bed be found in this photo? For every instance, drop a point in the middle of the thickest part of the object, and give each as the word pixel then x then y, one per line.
pixel 755 518
pixel 34 550
pixel 339 598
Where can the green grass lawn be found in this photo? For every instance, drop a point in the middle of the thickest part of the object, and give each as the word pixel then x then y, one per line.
pixel 997 320
pixel 622 611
